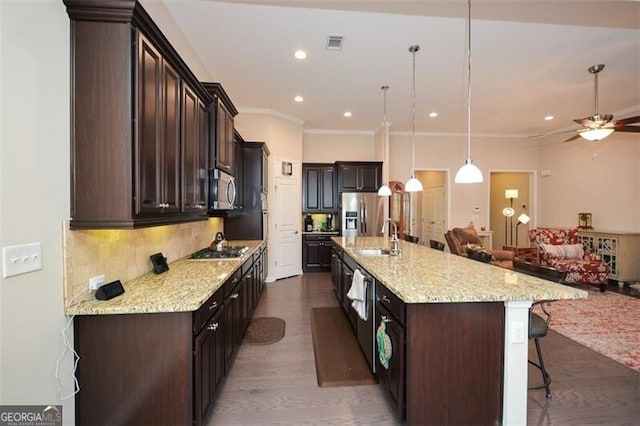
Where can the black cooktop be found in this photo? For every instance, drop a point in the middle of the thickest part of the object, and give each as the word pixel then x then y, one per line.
pixel 231 252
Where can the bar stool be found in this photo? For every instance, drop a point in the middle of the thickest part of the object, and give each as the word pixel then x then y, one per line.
pixel 410 238
pixel 539 326
pixel 436 245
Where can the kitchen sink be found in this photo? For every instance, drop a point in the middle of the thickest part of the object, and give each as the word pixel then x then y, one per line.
pixel 373 252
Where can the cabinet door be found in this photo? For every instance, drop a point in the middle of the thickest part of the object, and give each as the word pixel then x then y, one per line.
pixel 328 188
pixel 225 154
pixel 310 189
pixel 158 133
pixel 392 378
pixel 194 162
pixel 349 178
pixel 231 326
pixel 325 255
pixel 208 366
pixel 369 177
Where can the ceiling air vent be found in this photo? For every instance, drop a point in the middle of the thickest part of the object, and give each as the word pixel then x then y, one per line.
pixel 334 42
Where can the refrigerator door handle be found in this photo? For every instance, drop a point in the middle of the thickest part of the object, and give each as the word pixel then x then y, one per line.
pixel 364 218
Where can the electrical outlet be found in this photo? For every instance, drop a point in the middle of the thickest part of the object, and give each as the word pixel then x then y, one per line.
pixel 95 282
pixel 517 332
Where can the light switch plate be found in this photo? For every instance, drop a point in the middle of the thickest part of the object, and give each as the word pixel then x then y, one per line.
pixel 21 259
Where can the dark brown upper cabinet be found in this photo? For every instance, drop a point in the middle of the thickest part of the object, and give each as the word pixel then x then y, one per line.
pixel 139 122
pixel 222 113
pixel 319 193
pixel 362 176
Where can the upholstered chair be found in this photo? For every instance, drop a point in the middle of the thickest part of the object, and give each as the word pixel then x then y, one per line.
pixel 559 248
pixel 461 240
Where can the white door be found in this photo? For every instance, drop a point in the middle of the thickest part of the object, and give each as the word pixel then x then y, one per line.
pixel 434 214
pixel 288 240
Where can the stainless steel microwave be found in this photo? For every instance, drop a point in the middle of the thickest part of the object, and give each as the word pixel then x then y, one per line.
pixel 222 190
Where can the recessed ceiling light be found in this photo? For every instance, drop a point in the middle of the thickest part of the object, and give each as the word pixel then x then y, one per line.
pixel 347 114
pixel 300 54
pixel 549 118
pixel 298 98
pixel 433 114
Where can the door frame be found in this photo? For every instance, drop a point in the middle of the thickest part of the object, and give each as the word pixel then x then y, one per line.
pixel 533 196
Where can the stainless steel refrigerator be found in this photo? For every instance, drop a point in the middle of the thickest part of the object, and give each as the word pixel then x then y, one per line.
pixel 361 214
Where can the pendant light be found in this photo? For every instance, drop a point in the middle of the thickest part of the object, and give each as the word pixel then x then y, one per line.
pixel 413 184
pixel 469 172
pixel 384 190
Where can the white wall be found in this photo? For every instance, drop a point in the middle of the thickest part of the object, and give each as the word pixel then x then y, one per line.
pixel 327 147
pixel 34 196
pixel 600 178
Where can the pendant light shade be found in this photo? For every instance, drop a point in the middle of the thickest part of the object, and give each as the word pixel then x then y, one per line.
pixel 384 190
pixel 469 172
pixel 413 184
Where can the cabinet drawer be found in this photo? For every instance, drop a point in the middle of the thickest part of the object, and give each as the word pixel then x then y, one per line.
pixel 208 308
pixel 391 302
pixel 231 283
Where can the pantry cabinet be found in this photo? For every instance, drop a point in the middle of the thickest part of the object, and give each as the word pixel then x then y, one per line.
pixel 138 134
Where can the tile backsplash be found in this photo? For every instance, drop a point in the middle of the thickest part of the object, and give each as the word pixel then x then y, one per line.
pixel 123 254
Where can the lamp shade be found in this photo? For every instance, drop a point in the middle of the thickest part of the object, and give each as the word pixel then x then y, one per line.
pixel 384 191
pixel 468 173
pixel 523 218
pixel 511 193
pixel 413 185
pixel 594 135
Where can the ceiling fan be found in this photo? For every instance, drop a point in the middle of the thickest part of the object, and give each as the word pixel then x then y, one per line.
pixel 599 126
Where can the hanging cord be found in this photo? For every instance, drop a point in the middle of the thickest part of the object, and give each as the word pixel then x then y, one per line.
pixel 68 347
pixel 469 84
pixel 413 49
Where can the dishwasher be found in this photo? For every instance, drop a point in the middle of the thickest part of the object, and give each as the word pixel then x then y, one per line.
pixel 366 329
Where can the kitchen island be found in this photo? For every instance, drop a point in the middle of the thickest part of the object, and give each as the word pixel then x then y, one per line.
pixel 460 327
pixel 158 353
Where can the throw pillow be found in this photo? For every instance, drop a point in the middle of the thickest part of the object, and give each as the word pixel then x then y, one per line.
pixel 565 251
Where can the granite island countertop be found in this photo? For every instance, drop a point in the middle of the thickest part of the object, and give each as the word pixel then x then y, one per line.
pixel 184 287
pixel 424 275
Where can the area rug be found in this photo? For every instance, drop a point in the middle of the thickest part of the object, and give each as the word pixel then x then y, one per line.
pixel 608 323
pixel 339 360
pixel 264 330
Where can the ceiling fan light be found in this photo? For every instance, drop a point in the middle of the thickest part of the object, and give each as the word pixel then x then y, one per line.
pixel 384 191
pixel 595 135
pixel 469 173
pixel 413 185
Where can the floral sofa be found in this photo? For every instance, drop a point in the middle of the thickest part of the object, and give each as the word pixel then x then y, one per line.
pixel 559 248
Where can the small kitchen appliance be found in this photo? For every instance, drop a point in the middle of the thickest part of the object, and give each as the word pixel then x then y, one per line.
pixel 308 223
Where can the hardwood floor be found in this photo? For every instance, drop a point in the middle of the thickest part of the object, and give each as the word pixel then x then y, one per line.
pixel 276 384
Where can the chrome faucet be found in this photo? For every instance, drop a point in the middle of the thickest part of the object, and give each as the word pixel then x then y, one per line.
pixel 394 236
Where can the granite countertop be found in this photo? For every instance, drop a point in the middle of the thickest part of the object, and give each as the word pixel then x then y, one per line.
pixel 184 287
pixel 424 275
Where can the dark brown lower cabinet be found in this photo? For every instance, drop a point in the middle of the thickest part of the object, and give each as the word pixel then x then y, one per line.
pixel 316 253
pixel 447 362
pixel 163 368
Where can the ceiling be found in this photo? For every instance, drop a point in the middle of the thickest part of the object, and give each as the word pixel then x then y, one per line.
pixel 529 60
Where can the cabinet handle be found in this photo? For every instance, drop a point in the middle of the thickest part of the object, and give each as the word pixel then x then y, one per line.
pixel 234 280
pixel 213 305
pixel 213 326
pixel 385 299
pixel 234 296
pixel 385 319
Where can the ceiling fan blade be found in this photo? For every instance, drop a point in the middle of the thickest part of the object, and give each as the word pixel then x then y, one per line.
pixel 628 120
pixel 631 129
pixel 573 138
